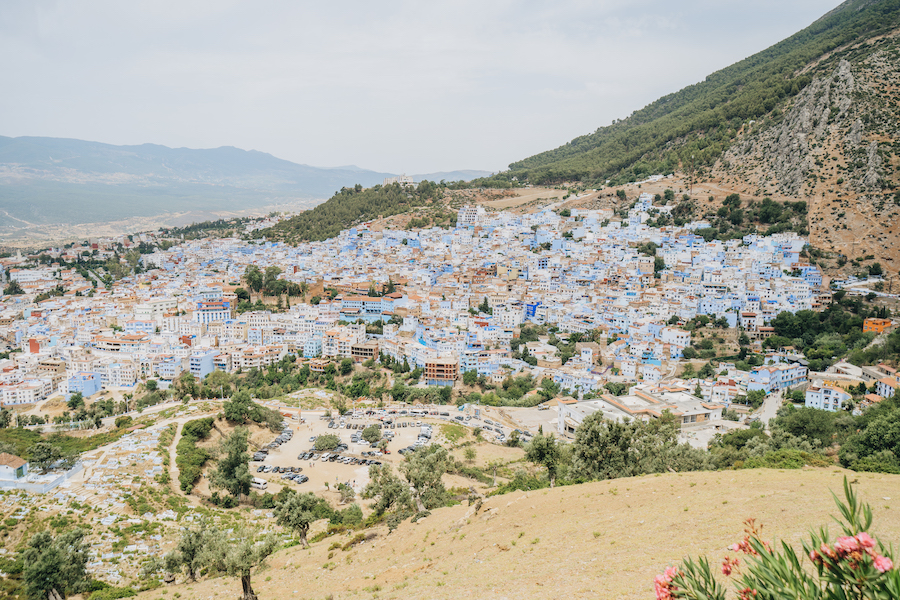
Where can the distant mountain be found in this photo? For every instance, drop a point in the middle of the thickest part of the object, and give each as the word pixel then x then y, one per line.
pixel 52 180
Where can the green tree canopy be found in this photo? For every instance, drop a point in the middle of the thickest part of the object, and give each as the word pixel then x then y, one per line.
pixel 231 472
pixel 55 567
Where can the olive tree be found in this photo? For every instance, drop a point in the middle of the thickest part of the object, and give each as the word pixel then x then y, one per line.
pixel 55 567
pixel 187 552
pixel 544 450
pixel 297 513
pixel 237 554
pixel 371 433
pixel 232 472
pixel 424 470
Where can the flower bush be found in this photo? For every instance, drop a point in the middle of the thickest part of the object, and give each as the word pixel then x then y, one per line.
pixel 854 566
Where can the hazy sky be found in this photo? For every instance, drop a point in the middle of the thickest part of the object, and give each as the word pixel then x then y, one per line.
pixel 410 87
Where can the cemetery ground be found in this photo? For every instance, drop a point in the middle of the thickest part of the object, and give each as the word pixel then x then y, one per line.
pixel 127 495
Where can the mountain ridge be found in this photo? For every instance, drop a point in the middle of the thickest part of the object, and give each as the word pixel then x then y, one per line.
pixel 700 119
pixel 65 180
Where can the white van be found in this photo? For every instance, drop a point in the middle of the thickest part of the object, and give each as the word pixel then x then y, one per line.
pixel 259 484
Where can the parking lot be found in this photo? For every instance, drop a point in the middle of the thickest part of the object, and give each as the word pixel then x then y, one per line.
pixel 350 464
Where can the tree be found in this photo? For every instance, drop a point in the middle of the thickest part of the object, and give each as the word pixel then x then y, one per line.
pixel 237 553
pixel 185 385
pixel 327 442
pixel 187 552
pixel 13 289
pixel 743 339
pixel 609 449
pixel 371 433
pixel 42 455
pixel 814 423
pixel 219 382
pixel 238 408
pixel 271 282
pixel 297 513
pixel 231 472
pixel 254 278
pixel 513 440
pixel 659 265
pixel 392 494
pixel 544 450
pixel 688 371
pixel 54 568
pixel 424 469
pixel 469 453
pixel 485 306
pixel 549 389
pixel 470 377
pixel 346 492
pixel 75 401
pixel 346 366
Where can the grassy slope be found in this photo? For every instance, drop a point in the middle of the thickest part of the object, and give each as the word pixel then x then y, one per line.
pixel 597 540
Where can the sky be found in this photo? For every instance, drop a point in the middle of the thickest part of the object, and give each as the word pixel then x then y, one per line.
pixel 400 87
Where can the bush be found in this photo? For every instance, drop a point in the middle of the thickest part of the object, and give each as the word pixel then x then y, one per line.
pixel 371 433
pixel 113 593
pixel 854 566
pixel 188 457
pixel 124 421
pixel 327 442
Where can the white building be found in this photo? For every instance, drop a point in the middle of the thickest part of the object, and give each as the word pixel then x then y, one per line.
pixel 826 397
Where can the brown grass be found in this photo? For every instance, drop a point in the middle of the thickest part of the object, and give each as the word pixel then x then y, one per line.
pixel 598 540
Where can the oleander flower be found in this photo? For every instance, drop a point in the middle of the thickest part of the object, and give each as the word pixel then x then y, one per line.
pixel 883 563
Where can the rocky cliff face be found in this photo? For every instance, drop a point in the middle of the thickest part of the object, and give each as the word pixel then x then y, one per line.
pixel 835 145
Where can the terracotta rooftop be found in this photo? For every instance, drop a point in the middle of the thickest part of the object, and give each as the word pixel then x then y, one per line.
pixel 11 460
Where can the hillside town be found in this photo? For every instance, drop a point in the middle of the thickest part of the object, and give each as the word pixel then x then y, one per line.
pixel 446 301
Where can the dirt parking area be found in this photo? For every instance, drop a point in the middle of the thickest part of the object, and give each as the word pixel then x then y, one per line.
pixel 405 430
pixel 332 473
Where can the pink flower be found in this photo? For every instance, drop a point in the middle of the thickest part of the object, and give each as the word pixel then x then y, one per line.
pixel 883 563
pixel 728 565
pixel 865 540
pixel 663 584
pixel 846 545
pixel 735 547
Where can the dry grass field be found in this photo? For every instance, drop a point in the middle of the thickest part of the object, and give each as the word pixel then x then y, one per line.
pixel 597 540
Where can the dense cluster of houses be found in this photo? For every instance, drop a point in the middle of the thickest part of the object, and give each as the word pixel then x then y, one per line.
pixel 460 296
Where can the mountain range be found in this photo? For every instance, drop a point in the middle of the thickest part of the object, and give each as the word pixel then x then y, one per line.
pixel 53 180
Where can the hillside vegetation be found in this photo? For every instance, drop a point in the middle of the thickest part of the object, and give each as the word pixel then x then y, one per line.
pixel 702 120
pixel 351 206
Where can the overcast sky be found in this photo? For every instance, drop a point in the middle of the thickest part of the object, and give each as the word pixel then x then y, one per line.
pixel 410 87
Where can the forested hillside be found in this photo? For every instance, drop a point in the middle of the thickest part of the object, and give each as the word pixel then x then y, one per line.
pixel 703 120
pixel 351 206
